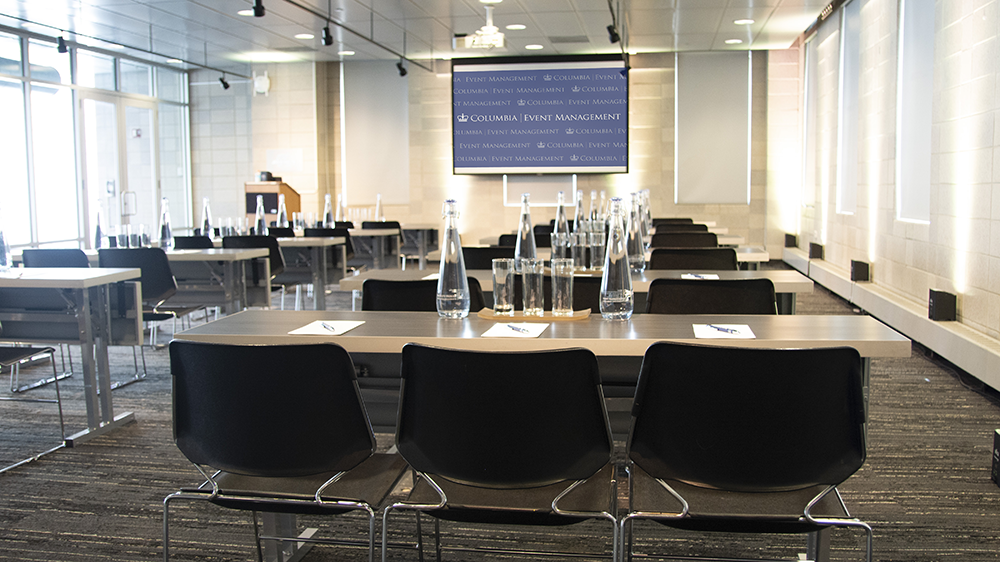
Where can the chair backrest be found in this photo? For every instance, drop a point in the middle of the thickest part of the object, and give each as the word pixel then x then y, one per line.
pixel 193 243
pixel 746 419
pixel 315 420
pixel 158 283
pixel 343 224
pixel 380 224
pixel 333 233
pixel 694 258
pixel 281 231
pixel 543 228
pixel 684 240
pixel 479 257
pixel 417 295
pixel 277 261
pixel 672 220
pixel 507 240
pixel 502 419
pixel 586 293
pixel 54 257
pixel 711 296
pixel 682 227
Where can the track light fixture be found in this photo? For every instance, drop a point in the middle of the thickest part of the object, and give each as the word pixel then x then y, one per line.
pixel 61 45
pixel 327 38
pixel 613 34
pixel 401 67
pixel 222 80
pixel 258 8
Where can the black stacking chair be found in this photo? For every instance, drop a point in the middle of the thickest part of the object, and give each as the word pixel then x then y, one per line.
pixel 343 224
pixel 745 440
pixel 507 240
pixel 684 240
pixel 12 357
pixel 158 285
pixel 274 257
pixel 193 243
pixel 682 227
pixel 394 244
pixel 313 451
pixel 505 438
pixel 694 259
pixel 332 233
pixel 54 257
pixel 417 295
pixel 586 293
pixel 479 257
pixel 711 296
pixel 281 231
pixel 543 235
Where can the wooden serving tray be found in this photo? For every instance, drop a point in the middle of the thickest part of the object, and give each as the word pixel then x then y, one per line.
pixel 487 314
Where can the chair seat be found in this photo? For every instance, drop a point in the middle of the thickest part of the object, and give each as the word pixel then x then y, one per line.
pixel 12 355
pixel 726 511
pixel 380 472
pixel 520 506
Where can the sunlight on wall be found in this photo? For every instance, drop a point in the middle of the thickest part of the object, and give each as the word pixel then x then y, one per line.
pixel 874 178
pixel 786 173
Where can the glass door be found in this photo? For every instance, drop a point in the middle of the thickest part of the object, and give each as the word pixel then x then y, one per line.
pixel 141 196
pixel 101 171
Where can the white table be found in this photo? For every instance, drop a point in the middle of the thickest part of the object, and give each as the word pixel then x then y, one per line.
pixel 318 262
pixel 424 237
pixel 198 276
pixel 87 322
pixel 379 242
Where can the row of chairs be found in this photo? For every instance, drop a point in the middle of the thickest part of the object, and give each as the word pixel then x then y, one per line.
pixel 665 296
pixel 722 439
pixel 692 259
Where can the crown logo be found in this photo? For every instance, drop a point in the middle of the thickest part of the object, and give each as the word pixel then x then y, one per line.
pixel 541 145
pixel 463 118
pixel 570 131
pixel 576 88
pixel 574 158
pixel 547 77
pixel 521 102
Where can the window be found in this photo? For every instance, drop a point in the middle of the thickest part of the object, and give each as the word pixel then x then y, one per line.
pixel 914 90
pixel 171 85
pixel 13 160
pixel 10 55
pixel 47 63
pixel 95 71
pixel 54 156
pixel 809 127
pixel 137 78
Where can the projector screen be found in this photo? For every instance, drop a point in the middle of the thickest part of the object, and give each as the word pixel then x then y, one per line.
pixel 540 115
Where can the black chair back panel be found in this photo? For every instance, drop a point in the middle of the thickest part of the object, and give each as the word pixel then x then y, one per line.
pixel 586 293
pixel 281 231
pixel 684 240
pixel 694 259
pixel 672 220
pixel 262 410
pixel 750 420
pixel 477 257
pixel 380 224
pixel 417 295
pixel 158 283
pixel 54 257
pixel 474 417
pixel 681 227
pixel 507 240
pixel 711 296
pixel 343 224
pixel 193 243
pixel 276 259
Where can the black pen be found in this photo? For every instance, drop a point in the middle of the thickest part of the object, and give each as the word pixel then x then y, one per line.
pixel 519 329
pixel 726 330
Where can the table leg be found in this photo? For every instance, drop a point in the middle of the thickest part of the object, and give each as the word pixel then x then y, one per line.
pixel 786 303
pixel 284 525
pixel 319 265
pixel 422 248
pixel 818 545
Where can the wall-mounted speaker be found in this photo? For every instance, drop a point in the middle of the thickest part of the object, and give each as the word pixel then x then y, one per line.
pixel 942 306
pixel 791 241
pixel 815 251
pixel 861 271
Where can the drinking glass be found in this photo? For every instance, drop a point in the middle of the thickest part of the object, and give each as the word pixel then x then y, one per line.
pixel 533 270
pixel 503 287
pixel 597 250
pixel 579 247
pixel 124 235
pixel 562 287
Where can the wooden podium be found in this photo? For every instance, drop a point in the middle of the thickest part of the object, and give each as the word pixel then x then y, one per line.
pixel 270 190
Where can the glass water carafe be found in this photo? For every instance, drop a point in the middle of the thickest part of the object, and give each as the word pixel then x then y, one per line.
pixel 616 283
pixel 166 236
pixel 260 220
pixel 525 245
pixel 453 285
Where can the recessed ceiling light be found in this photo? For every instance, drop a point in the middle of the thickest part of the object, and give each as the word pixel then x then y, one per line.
pixel 174 61
pixel 245 13
pixel 490 1
pixel 733 41
pixel 516 26
pixel 746 21
pixel 345 53
pixel 304 36
pixel 533 47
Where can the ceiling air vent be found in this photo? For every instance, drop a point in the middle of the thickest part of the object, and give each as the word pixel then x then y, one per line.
pixel 569 39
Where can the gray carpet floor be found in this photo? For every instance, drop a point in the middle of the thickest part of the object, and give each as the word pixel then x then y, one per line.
pixel 925 487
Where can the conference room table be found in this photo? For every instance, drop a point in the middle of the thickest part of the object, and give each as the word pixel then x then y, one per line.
pixel 93 307
pixel 727 240
pixel 748 257
pixel 787 282
pixel 423 237
pixel 376 241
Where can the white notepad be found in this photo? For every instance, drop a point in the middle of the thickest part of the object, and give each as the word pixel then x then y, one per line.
pixel 723 331
pixel 326 328
pixel 515 330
